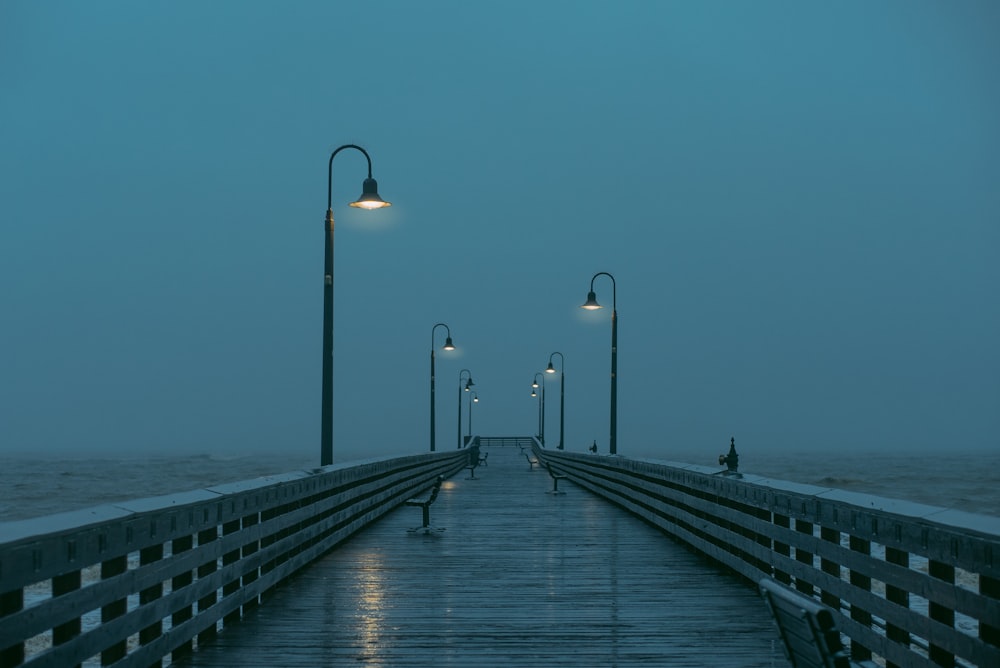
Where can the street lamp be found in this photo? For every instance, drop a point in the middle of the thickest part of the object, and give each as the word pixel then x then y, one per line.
pixel 541 405
pixel 473 399
pixel 369 200
pixel 448 345
pixel 468 384
pixel 562 393
pixel 591 305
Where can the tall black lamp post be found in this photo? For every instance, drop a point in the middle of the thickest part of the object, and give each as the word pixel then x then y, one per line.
pixel 467 385
pixel 541 405
pixel 369 200
pixel 591 304
pixel 448 345
pixel 562 394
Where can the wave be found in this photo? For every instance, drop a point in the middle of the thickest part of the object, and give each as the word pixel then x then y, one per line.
pixel 833 481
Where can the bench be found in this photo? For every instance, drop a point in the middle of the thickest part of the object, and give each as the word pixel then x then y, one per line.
pixel 532 460
pixel 556 477
pixel 424 502
pixel 474 460
pixel 808 632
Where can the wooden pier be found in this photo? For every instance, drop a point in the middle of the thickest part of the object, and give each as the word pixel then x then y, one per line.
pixel 515 576
pixel 638 562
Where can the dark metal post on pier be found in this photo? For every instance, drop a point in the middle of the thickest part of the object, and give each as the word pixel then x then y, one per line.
pixel 468 384
pixel 448 345
pixel 562 395
pixel 731 460
pixel 541 405
pixel 369 200
pixel 591 305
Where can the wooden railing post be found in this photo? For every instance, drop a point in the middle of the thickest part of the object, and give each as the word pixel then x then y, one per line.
pixel 231 557
pixel 941 613
pixel 266 541
pixel 830 567
pixel 149 555
pixel 898 596
pixel 11 602
pixel 764 515
pixel 863 546
pixel 205 537
pixel 804 556
pixel 248 549
pixel 783 549
pixel 178 546
pixel 64 584
pixel 990 587
pixel 114 610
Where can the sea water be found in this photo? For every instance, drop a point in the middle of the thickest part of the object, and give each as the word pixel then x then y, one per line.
pixel 33 486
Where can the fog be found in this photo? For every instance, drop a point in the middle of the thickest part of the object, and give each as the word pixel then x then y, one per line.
pixel 798 204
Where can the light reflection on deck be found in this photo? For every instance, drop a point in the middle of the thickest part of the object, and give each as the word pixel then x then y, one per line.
pixel 517 578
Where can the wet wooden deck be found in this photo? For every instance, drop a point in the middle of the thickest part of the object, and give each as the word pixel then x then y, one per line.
pixel 518 577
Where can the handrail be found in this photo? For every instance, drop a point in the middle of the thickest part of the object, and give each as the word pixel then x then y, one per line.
pixel 917 585
pixel 171 569
pixel 503 441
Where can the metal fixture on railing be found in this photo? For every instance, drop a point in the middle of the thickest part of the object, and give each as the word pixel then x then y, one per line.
pixel 731 460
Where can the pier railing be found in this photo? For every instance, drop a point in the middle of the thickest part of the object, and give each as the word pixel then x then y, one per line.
pixel 914 584
pixel 503 441
pixel 127 584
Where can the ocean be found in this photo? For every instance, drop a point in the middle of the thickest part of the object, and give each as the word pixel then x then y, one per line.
pixel 33 486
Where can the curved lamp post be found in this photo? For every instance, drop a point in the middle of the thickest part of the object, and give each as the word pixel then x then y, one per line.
pixel 562 394
pixel 591 304
pixel 468 384
pixel 448 345
pixel 369 200
pixel 541 405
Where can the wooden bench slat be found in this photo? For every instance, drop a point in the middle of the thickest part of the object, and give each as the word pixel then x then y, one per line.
pixel 808 631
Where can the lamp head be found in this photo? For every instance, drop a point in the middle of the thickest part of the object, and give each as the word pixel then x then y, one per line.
pixel 475 398
pixel 534 383
pixel 448 345
pixel 369 196
pixel 550 368
pixel 591 303
pixel 468 384
pixel 533 393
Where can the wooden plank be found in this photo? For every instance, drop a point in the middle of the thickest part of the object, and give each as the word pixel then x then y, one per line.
pixel 518 577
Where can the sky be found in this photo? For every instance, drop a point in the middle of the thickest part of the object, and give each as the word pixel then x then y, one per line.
pixel 800 202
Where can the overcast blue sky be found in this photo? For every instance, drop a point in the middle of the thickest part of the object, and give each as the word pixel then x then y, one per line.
pixel 799 202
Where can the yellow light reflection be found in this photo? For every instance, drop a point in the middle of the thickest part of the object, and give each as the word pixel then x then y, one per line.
pixel 371 599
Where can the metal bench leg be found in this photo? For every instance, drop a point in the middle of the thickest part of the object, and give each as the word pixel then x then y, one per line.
pixel 555 487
